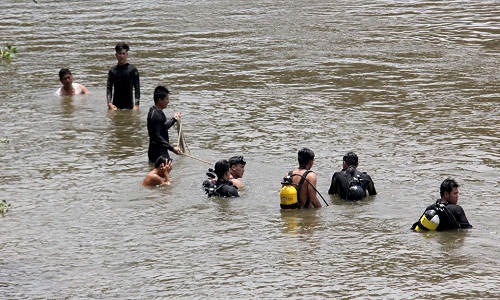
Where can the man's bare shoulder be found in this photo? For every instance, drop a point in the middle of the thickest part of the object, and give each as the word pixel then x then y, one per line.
pixel 152 179
pixel 311 175
pixel 237 183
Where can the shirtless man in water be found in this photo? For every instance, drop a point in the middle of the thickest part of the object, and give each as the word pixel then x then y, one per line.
pixel 305 180
pixel 237 169
pixel 160 176
pixel 69 88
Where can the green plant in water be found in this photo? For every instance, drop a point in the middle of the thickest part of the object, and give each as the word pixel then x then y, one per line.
pixel 4 206
pixel 4 140
pixel 7 52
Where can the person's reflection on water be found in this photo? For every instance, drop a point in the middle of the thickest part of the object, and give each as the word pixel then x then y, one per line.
pixel 299 221
pixel 451 241
pixel 446 248
pixel 125 136
pixel 68 107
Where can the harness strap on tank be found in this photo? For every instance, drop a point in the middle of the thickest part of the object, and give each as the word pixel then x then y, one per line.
pixel 302 179
pixel 448 213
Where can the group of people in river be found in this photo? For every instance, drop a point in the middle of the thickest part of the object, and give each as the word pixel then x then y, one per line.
pixel 123 79
pixel 224 180
pixel 350 184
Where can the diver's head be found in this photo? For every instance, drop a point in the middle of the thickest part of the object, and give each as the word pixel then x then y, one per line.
pixel 163 166
pixel 449 191
pixel 305 157
pixel 162 160
pixel 160 94
pixel 221 169
pixel 64 73
pixel 350 159
pixel 121 54
pixel 121 46
pixel 237 166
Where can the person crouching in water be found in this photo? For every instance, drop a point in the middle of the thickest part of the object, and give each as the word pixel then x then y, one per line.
pixel 305 180
pixel 160 176
pixel 222 187
pixel 236 170
pixel 68 86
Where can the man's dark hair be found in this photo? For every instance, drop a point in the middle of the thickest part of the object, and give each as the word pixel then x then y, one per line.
pixel 64 72
pixel 160 93
pixel 221 167
pixel 351 158
pixel 447 186
pixel 160 160
pixel 237 160
pixel 120 46
pixel 305 155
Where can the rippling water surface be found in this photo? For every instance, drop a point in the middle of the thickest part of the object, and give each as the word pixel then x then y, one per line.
pixel 411 86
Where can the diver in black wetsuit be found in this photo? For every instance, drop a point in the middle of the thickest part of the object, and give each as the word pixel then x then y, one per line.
pixel 158 126
pixel 123 78
pixel 451 215
pixel 349 183
pixel 222 187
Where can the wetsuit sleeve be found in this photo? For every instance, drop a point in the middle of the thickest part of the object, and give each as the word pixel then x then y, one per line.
pixel 461 218
pixel 137 87
pixel 371 186
pixel 232 192
pixel 109 88
pixel 333 186
pixel 170 123
pixel 155 134
pixel 226 190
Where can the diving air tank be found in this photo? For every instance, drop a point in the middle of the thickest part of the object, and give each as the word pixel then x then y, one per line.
pixel 428 221
pixel 288 194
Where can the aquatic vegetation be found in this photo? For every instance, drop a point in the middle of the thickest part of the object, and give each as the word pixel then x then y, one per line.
pixel 4 206
pixel 4 140
pixel 7 52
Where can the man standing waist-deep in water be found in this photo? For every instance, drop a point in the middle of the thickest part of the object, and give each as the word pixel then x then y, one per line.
pixel 451 215
pixel 158 126
pixel 350 183
pixel 305 179
pixel 123 79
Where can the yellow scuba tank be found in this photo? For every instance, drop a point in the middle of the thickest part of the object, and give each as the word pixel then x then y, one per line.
pixel 428 221
pixel 288 194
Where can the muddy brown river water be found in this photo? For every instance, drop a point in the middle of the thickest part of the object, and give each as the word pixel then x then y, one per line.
pixel 411 86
